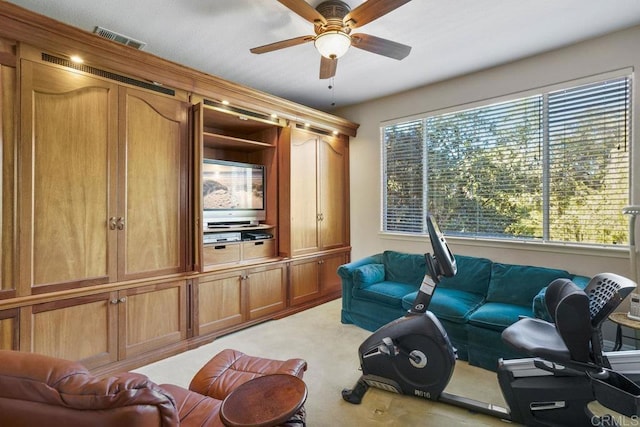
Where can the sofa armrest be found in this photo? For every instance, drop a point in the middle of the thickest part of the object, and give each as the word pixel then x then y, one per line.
pixel 345 271
pixel 540 307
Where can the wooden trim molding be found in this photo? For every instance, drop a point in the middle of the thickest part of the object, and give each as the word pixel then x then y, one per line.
pixel 24 26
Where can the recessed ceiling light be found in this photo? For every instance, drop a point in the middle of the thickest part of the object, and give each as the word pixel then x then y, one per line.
pixel 77 59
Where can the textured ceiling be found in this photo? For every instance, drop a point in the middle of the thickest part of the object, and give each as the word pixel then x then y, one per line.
pixel 448 38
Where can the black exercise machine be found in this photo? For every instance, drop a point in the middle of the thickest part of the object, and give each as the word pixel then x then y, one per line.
pixel 566 370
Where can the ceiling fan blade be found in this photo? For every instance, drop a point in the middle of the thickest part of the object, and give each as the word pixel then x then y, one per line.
pixel 328 67
pixel 305 10
pixel 282 44
pixel 380 46
pixel 371 10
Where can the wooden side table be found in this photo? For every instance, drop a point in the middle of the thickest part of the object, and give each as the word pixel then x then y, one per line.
pixel 621 319
pixel 265 401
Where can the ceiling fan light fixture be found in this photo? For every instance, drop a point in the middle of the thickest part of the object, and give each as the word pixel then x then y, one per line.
pixel 332 44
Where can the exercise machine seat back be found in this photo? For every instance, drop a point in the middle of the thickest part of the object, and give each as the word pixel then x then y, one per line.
pixel 565 339
pixel 577 318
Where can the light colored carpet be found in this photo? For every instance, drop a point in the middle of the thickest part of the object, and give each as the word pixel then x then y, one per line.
pixel 331 351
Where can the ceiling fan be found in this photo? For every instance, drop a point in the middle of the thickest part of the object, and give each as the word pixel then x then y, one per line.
pixel 333 21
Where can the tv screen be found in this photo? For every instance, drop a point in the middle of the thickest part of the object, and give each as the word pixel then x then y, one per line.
pixel 232 191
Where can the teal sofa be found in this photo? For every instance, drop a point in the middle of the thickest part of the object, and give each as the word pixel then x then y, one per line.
pixel 474 306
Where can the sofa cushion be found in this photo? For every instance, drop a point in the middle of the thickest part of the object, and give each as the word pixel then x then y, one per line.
pixel 497 315
pixel 386 292
pixel 449 304
pixel 368 274
pixel 519 284
pixel 404 268
pixel 472 276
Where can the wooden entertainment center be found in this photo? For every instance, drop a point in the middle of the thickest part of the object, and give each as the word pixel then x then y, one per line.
pixel 104 258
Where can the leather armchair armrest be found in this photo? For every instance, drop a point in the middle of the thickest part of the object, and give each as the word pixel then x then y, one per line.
pixel 230 369
pixel 33 377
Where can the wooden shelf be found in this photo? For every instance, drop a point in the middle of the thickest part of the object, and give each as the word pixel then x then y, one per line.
pixel 216 140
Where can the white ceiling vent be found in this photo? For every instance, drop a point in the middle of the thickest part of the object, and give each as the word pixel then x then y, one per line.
pixel 119 38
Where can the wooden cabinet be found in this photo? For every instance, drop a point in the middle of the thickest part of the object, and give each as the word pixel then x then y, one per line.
pixel 266 289
pixel 103 180
pixel 219 302
pixel 102 328
pixel 102 253
pixel 217 254
pixel 315 277
pixel 83 329
pixel 9 327
pixel 314 193
pixel 228 299
pixel 233 134
pixel 151 317
pixel 331 282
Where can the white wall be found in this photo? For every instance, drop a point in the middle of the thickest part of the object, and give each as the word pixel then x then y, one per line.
pixel 607 53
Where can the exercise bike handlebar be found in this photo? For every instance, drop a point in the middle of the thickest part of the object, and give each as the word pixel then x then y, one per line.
pixel 441 263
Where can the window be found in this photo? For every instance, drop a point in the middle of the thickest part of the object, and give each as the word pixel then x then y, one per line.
pixel 550 167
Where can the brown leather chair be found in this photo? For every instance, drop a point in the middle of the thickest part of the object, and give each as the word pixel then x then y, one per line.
pixel 37 390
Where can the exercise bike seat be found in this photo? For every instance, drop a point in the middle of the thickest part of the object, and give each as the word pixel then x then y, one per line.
pixel 565 339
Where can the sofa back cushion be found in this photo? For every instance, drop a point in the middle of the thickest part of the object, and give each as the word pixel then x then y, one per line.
pixel 472 276
pixel 403 267
pixel 519 284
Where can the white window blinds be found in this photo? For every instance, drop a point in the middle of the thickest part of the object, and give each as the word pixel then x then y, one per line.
pixel 554 167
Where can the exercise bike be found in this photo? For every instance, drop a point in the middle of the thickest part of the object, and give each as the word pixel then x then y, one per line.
pixel 566 370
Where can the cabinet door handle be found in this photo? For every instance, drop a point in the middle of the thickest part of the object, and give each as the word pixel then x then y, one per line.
pixel 123 299
pixel 114 301
pixel 112 223
pixel 120 223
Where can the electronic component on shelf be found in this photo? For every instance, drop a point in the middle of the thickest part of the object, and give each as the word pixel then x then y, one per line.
pixel 221 237
pixel 256 235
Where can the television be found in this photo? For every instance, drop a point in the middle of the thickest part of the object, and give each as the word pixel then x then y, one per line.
pixel 232 193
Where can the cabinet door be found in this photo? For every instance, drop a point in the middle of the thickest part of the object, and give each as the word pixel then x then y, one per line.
pixel 329 278
pixel 152 317
pixel 219 299
pixel 334 200
pixel 304 281
pixel 266 289
pixel 9 329
pixel 68 160
pixel 153 196
pixel 304 193
pixel 82 329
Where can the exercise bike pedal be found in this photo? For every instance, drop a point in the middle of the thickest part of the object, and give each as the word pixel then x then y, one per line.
pixel 355 394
